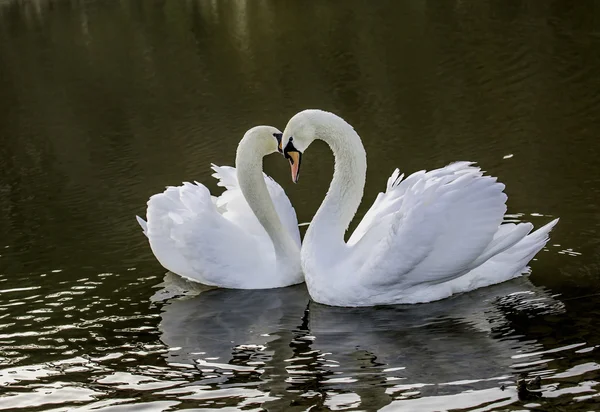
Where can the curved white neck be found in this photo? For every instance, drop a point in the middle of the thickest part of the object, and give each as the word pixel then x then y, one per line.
pixel 346 189
pixel 249 168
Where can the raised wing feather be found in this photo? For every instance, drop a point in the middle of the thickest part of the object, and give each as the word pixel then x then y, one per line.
pixel 430 227
pixel 238 209
pixel 214 240
pixel 190 237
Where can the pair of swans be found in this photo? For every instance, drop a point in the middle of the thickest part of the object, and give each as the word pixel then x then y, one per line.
pixel 427 237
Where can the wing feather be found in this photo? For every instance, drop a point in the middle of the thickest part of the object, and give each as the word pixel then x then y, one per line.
pixel 431 227
pixel 213 239
pixel 191 238
pixel 235 200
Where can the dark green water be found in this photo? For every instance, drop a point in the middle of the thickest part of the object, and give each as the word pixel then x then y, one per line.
pixel 103 103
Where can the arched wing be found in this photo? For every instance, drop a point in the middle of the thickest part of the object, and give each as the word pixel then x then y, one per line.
pixel 190 237
pixel 430 227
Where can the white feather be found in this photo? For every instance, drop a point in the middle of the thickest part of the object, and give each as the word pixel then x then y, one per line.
pixel 428 236
pixel 219 241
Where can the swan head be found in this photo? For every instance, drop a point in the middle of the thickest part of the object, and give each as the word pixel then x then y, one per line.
pixel 263 139
pixel 299 133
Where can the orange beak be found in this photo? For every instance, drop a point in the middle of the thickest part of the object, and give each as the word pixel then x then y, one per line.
pixel 295 159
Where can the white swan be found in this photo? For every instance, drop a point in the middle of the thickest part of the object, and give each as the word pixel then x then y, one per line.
pixel 247 238
pixel 427 237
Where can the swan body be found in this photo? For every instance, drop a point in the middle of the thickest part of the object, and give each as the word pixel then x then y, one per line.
pixel 428 236
pixel 246 238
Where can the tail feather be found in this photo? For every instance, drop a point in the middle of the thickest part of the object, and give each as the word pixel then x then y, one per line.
pixel 143 224
pixel 538 239
pixel 504 241
pixel 530 245
pixel 506 265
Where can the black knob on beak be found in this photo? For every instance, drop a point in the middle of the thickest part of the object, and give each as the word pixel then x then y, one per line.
pixel 278 136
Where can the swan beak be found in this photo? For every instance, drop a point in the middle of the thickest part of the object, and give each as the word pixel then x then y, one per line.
pixel 295 159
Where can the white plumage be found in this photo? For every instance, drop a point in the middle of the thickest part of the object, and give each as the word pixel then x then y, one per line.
pixel 427 237
pixel 223 241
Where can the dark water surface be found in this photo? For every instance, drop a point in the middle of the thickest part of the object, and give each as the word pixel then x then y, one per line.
pixel 103 103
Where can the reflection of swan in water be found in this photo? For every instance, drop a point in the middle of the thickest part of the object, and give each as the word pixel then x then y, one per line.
pixel 231 336
pixel 427 355
pixel 224 326
pixel 431 352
